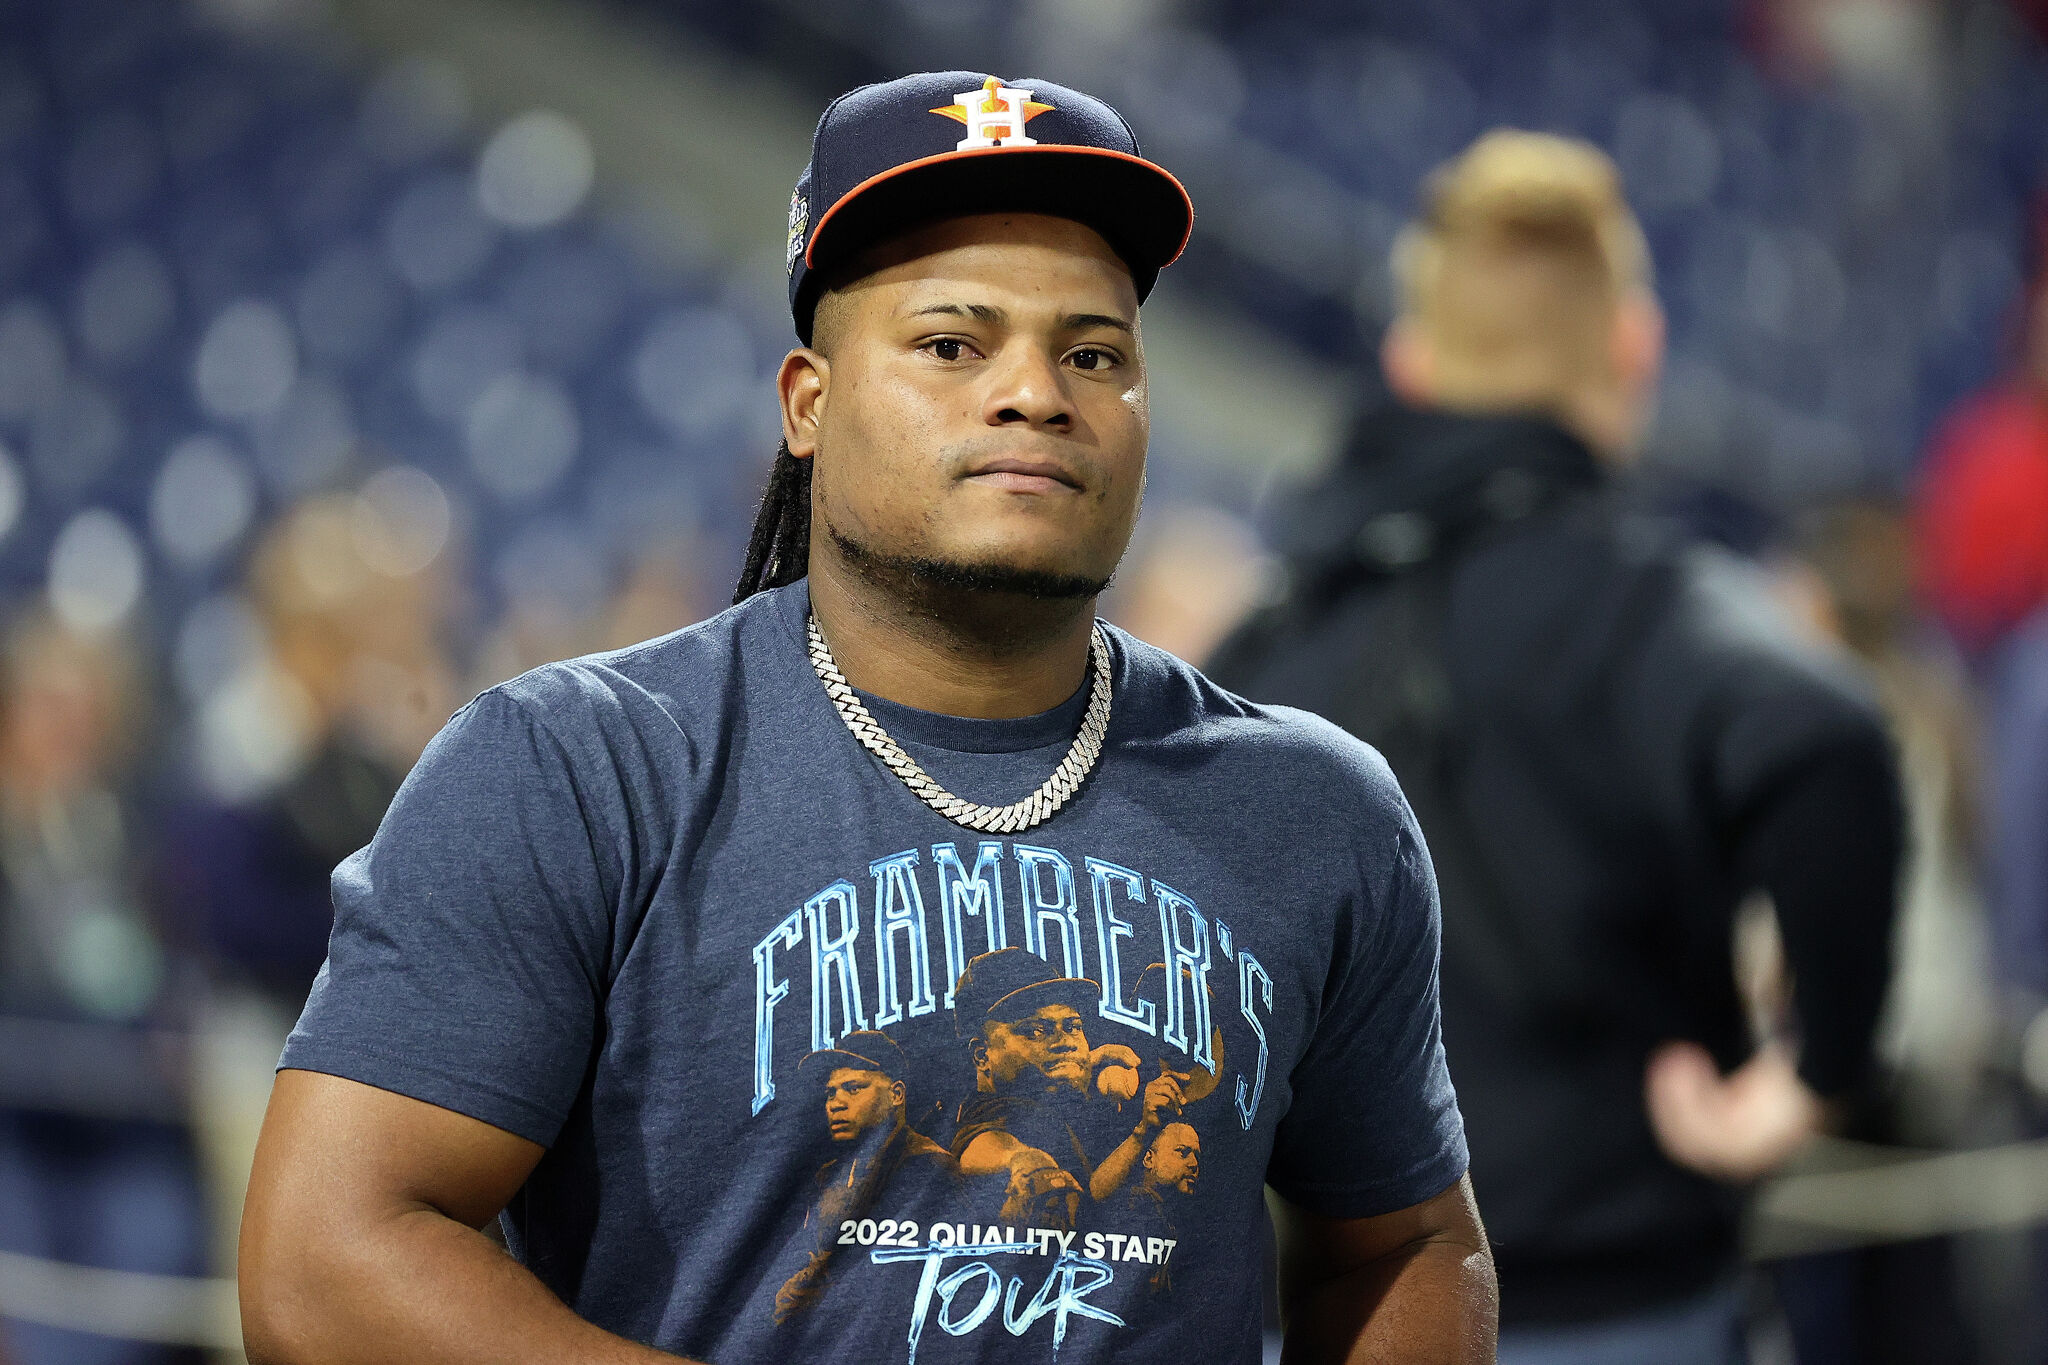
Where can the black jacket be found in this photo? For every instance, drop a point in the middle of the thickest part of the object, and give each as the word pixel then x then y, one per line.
pixel 1631 743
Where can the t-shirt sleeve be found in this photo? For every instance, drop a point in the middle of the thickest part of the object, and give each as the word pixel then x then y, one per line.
pixel 1374 1123
pixel 471 936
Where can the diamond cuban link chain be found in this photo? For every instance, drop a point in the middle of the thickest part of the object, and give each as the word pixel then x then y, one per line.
pixel 1032 810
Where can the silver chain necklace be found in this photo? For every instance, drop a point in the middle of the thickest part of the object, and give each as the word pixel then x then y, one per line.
pixel 1032 810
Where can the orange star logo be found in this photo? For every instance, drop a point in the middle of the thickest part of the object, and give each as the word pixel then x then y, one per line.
pixel 999 105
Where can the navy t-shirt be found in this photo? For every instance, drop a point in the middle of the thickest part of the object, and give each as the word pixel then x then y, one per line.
pixel 621 900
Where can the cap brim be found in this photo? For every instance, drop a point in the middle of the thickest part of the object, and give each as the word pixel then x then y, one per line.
pixel 1140 209
pixel 836 1058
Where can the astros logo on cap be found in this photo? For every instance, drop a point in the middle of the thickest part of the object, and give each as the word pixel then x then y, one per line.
pixel 995 115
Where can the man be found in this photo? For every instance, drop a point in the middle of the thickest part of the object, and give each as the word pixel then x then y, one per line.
pixel 881 1164
pixel 1038 1117
pixel 620 898
pixel 1171 1164
pixel 1983 494
pixel 1173 1161
pixel 1610 742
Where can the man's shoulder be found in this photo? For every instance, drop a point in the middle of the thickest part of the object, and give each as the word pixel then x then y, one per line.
pixel 1184 718
pixel 1622 597
pixel 918 1147
pixel 1729 613
pixel 981 1107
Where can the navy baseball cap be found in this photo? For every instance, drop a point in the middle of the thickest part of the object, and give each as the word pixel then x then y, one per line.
pixel 861 1050
pixel 1009 984
pixel 945 144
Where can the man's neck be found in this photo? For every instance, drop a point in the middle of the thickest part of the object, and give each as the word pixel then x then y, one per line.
pixel 870 1147
pixel 989 656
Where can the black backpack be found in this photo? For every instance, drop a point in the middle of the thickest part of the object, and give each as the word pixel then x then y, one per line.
pixel 1366 646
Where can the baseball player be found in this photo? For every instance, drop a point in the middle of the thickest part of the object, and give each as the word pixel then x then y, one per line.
pixel 1172 1163
pixel 880 1164
pixel 573 978
pixel 1038 1113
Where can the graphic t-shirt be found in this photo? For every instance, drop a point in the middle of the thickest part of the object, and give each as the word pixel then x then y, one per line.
pixel 658 911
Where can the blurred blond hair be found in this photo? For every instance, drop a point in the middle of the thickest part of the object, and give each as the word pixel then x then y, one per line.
pixel 1514 274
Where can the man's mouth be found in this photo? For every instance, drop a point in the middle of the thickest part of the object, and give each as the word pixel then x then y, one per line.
pixel 1016 474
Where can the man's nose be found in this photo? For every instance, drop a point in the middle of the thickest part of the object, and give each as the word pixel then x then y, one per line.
pixel 1027 388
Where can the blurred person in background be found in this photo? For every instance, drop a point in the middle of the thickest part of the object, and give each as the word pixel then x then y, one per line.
pixel 1609 738
pixel 1850 582
pixel 1982 520
pixel 299 752
pixel 1983 548
pixel 95 1166
pixel 1984 562
pixel 1854 590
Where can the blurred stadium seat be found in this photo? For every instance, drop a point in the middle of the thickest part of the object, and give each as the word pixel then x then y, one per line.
pixel 234 272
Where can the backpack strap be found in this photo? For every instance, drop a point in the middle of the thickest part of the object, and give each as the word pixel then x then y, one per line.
pixel 1399 696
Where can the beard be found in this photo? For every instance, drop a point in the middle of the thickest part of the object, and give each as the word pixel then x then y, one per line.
pixel 925 576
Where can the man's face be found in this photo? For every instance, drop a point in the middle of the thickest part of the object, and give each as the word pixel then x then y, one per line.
pixel 980 407
pixel 1046 1050
pixel 859 1102
pixel 1174 1158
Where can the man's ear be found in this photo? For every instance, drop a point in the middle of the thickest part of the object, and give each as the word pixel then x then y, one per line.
pixel 1636 347
pixel 802 383
pixel 897 1092
pixel 1408 363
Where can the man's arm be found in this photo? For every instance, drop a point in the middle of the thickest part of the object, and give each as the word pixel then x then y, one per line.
pixel 1163 1097
pixel 360 1239
pixel 1826 842
pixel 1414 1286
pixel 1038 1189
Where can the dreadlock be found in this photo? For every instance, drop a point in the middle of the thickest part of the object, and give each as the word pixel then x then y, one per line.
pixel 779 551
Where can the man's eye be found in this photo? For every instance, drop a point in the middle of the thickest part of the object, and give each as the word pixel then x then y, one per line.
pixel 947 348
pixel 1092 358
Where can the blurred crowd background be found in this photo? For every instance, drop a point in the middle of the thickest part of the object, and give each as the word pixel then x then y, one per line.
pixel 356 355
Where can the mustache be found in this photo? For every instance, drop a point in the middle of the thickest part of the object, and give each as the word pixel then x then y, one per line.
pixel 963 457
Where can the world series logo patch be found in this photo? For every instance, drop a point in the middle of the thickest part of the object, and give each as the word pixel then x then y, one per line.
pixel 799 219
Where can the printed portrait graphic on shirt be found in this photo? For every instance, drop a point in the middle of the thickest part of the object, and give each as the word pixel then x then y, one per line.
pixel 1011 1132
